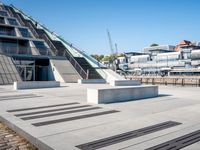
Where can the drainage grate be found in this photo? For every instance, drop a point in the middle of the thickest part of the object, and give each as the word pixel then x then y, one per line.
pixel 60 113
pixel 74 118
pixel 14 97
pixel 179 143
pixel 7 96
pixel 49 106
pixel 51 110
pixel 126 136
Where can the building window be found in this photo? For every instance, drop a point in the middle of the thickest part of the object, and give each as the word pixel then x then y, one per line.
pixel 2 21
pixel 24 32
pixel 3 13
pixel 12 21
pixel 15 46
pixel 39 44
pixel 7 31
pixel 41 47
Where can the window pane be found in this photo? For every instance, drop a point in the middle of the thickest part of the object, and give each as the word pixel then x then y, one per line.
pixel 2 20
pixel 39 44
pixel 7 31
pixel 12 21
pixel 41 47
pixel 3 13
pixel 24 32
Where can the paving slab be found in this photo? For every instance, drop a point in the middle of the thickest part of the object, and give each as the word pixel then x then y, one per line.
pixel 179 104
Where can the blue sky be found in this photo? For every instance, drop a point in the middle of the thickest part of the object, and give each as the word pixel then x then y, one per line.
pixel 133 24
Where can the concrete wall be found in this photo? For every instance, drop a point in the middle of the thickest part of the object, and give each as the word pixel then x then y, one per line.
pixel 56 74
pixel 125 82
pixel 91 81
pixel 35 85
pixel 120 94
pixel 110 75
pixel 51 76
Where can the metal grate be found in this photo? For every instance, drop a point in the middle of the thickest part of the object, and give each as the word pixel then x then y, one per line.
pixel 179 142
pixel 74 118
pixel 14 97
pixel 60 113
pixel 52 110
pixel 49 106
pixel 126 136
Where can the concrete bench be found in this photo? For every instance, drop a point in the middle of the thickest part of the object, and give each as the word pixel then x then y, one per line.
pixel 120 94
pixel 35 84
pixel 91 81
pixel 125 82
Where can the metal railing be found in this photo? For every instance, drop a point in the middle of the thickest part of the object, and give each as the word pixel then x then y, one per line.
pixel 97 65
pixel 51 45
pixel 77 66
pixel 20 20
pixel 35 34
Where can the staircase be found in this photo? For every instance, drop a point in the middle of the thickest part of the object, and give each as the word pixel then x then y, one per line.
pixel 65 69
pixel 62 51
pixel 93 74
pixel 60 47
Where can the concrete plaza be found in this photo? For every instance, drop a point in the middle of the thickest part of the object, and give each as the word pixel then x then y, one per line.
pixel 60 118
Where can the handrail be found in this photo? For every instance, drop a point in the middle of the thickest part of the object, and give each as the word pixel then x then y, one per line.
pixel 49 43
pixel 33 30
pixel 20 20
pixel 77 66
pixel 83 53
pixel 97 63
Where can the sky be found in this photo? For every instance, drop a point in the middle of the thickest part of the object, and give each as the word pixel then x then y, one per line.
pixel 133 24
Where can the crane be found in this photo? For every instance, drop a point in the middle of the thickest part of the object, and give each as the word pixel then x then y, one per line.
pixel 110 42
pixel 116 50
pixel 112 50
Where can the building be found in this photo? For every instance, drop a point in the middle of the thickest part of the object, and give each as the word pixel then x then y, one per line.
pixel 29 51
pixel 159 49
pixel 185 44
pixel 183 59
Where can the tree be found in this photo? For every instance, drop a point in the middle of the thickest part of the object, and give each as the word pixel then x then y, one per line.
pixel 106 58
pixel 98 57
pixel 154 44
pixel 121 55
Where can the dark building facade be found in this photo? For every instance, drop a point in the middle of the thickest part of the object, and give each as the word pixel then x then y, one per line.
pixel 31 52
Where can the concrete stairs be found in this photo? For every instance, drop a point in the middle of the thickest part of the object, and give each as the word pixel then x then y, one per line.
pixel 93 74
pixel 60 47
pixel 64 71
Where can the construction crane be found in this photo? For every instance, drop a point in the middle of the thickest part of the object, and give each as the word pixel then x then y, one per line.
pixel 110 42
pixel 116 50
pixel 112 50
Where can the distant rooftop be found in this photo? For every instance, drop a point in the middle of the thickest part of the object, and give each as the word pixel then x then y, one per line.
pixel 159 47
